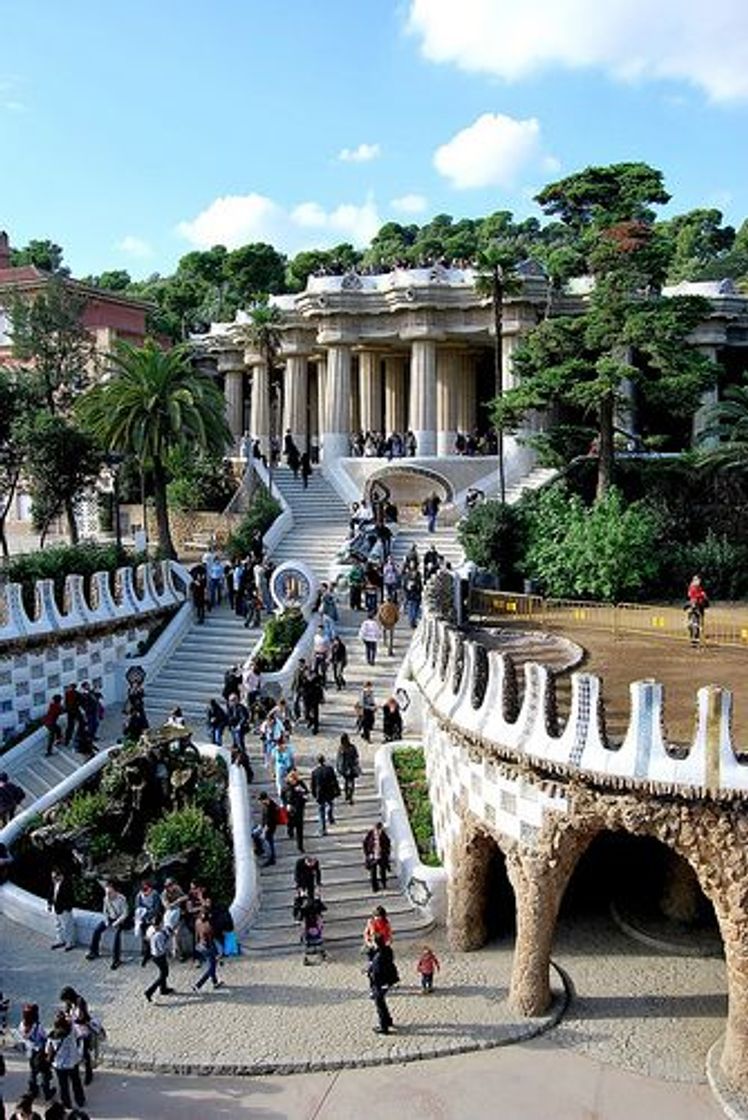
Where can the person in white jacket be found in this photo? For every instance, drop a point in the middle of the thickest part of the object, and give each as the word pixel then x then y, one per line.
pixel 370 633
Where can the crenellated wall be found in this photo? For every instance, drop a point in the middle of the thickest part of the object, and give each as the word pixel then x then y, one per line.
pixel 88 639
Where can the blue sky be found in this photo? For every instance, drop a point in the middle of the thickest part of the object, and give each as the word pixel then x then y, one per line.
pixel 133 132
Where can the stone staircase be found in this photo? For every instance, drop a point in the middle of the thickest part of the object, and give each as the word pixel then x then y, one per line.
pixel 193 675
pixel 320 521
pixel 537 477
pixel 38 773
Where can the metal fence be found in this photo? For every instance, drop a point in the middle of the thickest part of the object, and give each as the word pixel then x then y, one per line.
pixel 722 626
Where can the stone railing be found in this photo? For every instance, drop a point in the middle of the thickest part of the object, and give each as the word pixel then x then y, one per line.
pixel 88 638
pixel 473 691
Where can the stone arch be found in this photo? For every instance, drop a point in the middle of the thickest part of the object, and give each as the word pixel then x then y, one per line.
pixel 410 484
pixel 474 857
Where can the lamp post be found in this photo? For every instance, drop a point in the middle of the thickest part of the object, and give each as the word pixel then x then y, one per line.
pixel 114 461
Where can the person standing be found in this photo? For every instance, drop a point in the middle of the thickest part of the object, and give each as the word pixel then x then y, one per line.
pixel 338 660
pixel 325 789
pixel 348 766
pixel 308 876
pixel 368 710
pixel 92 708
pixel 64 1056
pixel 237 721
pixel 413 590
pixel 383 974
pixel 377 848
pixel 60 903
pixel 356 578
pixel 370 633
pixel 51 722
pixel 215 582
pixel 431 511
pixel 34 1039
pixel 313 693
pixel 74 713
pixel 199 596
pixel 306 469
pixel 115 913
pixel 157 939
pixel 216 720
pixel 265 831
pixel 147 908
pixel 428 964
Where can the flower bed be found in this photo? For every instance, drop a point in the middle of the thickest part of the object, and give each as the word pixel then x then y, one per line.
pixel 410 769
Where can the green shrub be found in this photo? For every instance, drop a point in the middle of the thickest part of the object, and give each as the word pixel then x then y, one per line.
pixel 84 811
pixel 279 638
pixel 605 551
pixel 721 562
pixel 190 829
pixel 260 516
pixel 202 482
pixel 410 769
pixel 492 535
pixel 60 561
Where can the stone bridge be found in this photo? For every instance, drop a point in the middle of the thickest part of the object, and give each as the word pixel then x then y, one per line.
pixel 506 775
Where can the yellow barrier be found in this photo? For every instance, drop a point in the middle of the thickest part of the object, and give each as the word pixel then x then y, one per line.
pixel 721 626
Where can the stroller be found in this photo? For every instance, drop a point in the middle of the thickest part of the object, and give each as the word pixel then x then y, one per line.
pixel 308 910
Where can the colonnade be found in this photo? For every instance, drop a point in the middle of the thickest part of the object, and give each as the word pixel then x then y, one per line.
pixel 324 396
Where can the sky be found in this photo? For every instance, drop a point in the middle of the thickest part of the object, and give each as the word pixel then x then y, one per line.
pixel 134 132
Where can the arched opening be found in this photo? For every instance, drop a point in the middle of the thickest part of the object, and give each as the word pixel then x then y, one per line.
pixel 500 907
pixel 410 486
pixel 645 892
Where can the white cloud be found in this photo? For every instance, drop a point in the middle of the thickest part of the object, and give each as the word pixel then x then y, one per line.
pixel 491 152
pixel 362 154
pixel 409 204
pixel 630 39
pixel 134 246
pixel 238 219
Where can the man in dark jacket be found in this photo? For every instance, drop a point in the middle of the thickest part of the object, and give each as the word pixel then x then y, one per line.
pixel 325 788
pixel 308 875
pixel 265 831
pixel 377 848
pixel 312 694
pixel 383 974
pixel 60 903
pixel 11 797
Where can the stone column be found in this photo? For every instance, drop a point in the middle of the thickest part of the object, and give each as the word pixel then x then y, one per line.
pixel 468 887
pixel 394 394
pixel 232 369
pixel 321 399
pixel 466 393
pixel 733 925
pixel 422 404
pixel 447 393
pixel 509 343
pixel 370 385
pixel 708 399
pixel 295 389
pixel 336 433
pixel 260 428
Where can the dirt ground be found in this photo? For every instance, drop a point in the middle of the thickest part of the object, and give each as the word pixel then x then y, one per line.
pixel 680 668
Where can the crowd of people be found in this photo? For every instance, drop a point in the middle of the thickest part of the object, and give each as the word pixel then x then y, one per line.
pixel 244 584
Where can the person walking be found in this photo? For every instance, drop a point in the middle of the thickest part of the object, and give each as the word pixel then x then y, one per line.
pixel 348 766
pixel 428 964
pixel 237 721
pixel 377 849
pixel 115 912
pixel 313 694
pixel 148 907
pixel 81 1020
pixel 158 951
pixel 199 595
pixel 264 832
pixel 306 469
pixel 64 1057
pixel 370 633
pixel 368 710
pixel 215 582
pixel 295 796
pixel 382 972
pixel 282 761
pixel 74 712
pixel 338 661
pixel 392 721
pixel 325 789
pixel 431 511
pixel 217 721
pixel 207 950
pixel 413 591
pixel 60 903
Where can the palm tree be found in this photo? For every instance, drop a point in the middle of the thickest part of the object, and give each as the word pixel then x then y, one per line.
pixel 726 432
pixel 155 403
pixel 496 278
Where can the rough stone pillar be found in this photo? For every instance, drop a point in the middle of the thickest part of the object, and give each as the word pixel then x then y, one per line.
pixel 466 395
pixel 422 405
pixel 336 433
pixel 295 390
pixel 370 390
pixel 708 399
pixel 681 895
pixel 733 925
pixel 394 394
pixel 468 888
pixel 260 426
pixel 448 367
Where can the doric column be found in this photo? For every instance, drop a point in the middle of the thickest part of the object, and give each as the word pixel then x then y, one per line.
pixel 466 397
pixel 370 388
pixel 708 399
pixel 321 398
pixel 260 426
pixel 422 405
pixel 232 368
pixel 336 433
pixel 447 392
pixel 509 343
pixel 295 382
pixel 394 394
